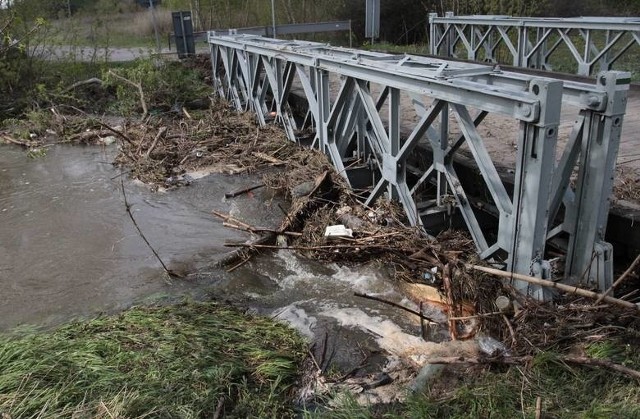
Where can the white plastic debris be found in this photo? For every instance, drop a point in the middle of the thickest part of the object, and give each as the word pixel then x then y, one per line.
pixel 338 231
pixel 108 140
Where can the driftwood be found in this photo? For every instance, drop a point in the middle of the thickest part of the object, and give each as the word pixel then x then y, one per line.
pixel 17 142
pixel 229 221
pixel 562 287
pixel 324 247
pixel 517 360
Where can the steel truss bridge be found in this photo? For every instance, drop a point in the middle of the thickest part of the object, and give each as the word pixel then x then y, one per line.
pixel 593 43
pixel 407 117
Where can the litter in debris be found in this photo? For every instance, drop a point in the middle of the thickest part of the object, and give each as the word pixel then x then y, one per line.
pixel 338 231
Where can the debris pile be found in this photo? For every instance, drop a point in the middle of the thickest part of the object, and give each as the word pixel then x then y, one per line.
pixel 326 221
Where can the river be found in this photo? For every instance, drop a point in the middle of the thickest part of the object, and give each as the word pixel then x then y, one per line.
pixel 69 250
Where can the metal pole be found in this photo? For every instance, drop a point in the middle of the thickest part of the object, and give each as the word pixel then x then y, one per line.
pixel 373 25
pixel 155 24
pixel 273 19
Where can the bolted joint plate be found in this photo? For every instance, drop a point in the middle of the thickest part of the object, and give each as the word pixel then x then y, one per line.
pixel 616 84
pixel 390 169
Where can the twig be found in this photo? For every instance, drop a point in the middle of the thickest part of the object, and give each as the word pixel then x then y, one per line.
pixel 242 262
pixel 538 407
pixel 475 316
pixel 446 281
pixel 138 86
pixel 218 411
pixel 324 353
pixel 619 280
pixel 423 327
pixel 313 359
pixel 268 158
pixel 325 247
pixel 128 208
pixel 106 409
pixel 232 222
pixel 115 131
pixel 159 135
pixel 550 284
pixel 184 111
pixel 259 229
pixel 120 174
pixel 242 191
pixel 391 303
pixel 511 331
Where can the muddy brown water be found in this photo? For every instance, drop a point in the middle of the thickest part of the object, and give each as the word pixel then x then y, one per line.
pixel 69 250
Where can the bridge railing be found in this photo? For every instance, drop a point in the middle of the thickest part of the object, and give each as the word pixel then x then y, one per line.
pixel 385 111
pixel 285 29
pixel 591 44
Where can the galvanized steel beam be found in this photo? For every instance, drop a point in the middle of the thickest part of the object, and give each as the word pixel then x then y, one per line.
pixel 356 107
pixel 594 43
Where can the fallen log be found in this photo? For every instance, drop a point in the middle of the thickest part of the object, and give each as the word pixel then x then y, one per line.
pixel 550 284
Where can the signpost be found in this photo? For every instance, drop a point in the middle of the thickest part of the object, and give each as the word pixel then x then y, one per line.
pixel 372 22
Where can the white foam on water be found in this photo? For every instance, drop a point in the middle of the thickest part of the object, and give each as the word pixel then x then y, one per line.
pixel 298 273
pixel 391 338
pixel 297 318
pixel 364 280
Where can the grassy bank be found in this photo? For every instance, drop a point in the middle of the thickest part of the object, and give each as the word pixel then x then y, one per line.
pixel 546 388
pixel 189 360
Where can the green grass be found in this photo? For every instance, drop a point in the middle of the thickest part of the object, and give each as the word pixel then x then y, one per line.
pixel 397 49
pixel 111 30
pixel 175 361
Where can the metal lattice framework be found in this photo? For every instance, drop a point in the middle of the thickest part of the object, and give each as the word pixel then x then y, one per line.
pixel 594 43
pixel 357 107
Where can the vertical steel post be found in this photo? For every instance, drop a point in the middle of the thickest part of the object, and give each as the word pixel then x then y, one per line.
pixel 433 34
pixel 600 142
pixel 533 184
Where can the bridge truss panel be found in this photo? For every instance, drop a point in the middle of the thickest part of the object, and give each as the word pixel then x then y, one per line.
pixel 593 44
pixel 406 118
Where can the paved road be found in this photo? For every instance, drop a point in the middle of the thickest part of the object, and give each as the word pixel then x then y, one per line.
pixel 88 53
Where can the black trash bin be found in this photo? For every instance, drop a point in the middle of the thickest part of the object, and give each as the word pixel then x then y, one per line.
pixel 183 30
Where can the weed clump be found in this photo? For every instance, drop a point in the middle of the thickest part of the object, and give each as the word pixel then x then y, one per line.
pixel 189 360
